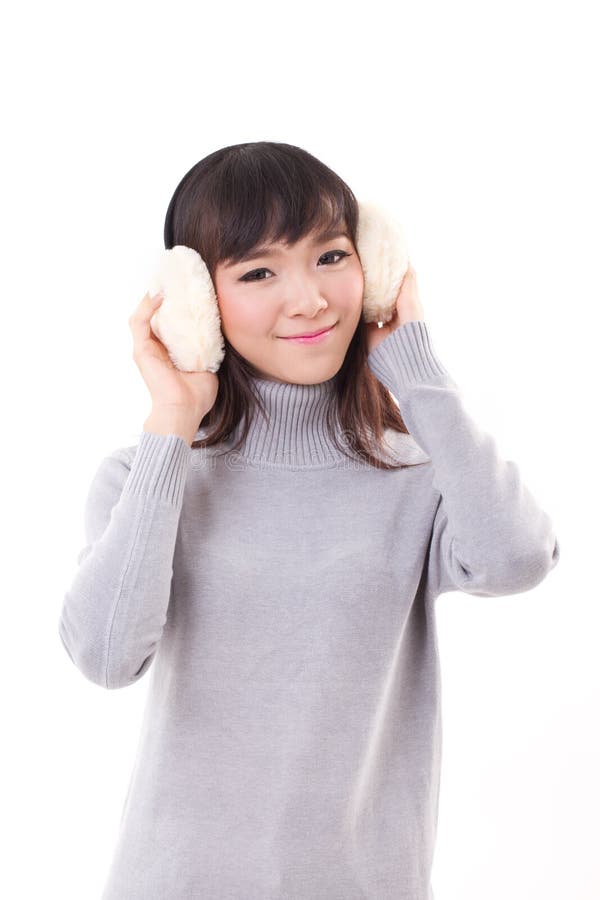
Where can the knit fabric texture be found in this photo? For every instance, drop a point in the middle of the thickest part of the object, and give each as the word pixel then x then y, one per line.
pixel 282 599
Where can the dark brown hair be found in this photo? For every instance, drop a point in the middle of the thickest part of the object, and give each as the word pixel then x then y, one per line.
pixel 238 198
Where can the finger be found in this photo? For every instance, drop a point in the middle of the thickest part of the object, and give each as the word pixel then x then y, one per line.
pixel 146 307
pixel 139 321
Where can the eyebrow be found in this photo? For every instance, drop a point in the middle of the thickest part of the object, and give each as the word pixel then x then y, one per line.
pixel 328 235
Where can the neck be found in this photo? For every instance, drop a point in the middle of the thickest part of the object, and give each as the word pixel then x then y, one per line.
pixel 295 433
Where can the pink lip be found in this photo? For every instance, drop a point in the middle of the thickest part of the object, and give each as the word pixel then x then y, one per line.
pixel 311 338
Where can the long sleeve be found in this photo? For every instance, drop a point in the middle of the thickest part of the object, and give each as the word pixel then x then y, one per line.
pixel 489 535
pixel 113 614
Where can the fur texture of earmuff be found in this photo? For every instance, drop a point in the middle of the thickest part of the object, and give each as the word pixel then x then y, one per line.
pixel 188 321
pixel 383 252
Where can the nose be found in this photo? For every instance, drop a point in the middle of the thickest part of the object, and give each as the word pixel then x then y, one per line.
pixel 307 302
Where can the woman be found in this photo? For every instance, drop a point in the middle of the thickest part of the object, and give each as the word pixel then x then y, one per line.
pixel 273 548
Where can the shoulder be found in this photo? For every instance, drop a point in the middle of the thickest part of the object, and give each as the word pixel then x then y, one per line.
pixel 121 455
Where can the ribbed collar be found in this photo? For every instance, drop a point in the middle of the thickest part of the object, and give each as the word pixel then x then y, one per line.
pixel 295 433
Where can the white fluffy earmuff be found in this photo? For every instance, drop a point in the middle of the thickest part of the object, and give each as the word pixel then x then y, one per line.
pixel 188 321
pixel 383 252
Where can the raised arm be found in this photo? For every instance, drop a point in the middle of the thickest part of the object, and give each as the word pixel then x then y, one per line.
pixel 490 537
pixel 113 615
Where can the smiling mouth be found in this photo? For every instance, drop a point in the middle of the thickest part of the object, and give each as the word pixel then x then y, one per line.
pixel 311 334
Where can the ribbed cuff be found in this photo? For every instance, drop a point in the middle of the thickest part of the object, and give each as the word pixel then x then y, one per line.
pixel 159 467
pixel 406 357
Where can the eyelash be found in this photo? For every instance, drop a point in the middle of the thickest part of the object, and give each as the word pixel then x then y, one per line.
pixel 340 253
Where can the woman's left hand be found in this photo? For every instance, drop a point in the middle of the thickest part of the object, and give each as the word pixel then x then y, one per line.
pixel 408 309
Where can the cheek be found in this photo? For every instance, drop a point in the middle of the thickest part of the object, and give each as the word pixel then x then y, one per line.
pixel 243 320
pixel 353 280
pixel 351 288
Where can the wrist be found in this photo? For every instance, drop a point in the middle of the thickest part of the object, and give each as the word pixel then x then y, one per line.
pixel 173 420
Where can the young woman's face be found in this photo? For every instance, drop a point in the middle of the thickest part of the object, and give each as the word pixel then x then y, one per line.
pixel 291 290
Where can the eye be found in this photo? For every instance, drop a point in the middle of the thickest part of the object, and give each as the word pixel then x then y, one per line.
pixel 248 276
pixel 253 275
pixel 340 253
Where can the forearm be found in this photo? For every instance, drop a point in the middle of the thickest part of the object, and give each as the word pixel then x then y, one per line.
pixel 490 535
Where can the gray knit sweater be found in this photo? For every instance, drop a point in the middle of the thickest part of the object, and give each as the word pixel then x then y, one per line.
pixel 282 599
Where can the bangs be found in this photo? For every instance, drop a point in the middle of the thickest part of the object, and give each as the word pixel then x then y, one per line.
pixel 256 194
pixel 274 214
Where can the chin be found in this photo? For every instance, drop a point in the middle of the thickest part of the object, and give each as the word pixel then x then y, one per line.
pixel 314 374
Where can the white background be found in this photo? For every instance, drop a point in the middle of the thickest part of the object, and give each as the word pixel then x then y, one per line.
pixel 478 124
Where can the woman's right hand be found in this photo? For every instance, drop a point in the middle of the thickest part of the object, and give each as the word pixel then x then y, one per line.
pixel 194 392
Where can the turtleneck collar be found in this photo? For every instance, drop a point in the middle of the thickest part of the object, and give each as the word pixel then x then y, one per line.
pixel 295 433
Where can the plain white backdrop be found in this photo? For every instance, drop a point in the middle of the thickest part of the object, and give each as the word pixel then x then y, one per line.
pixel 478 124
